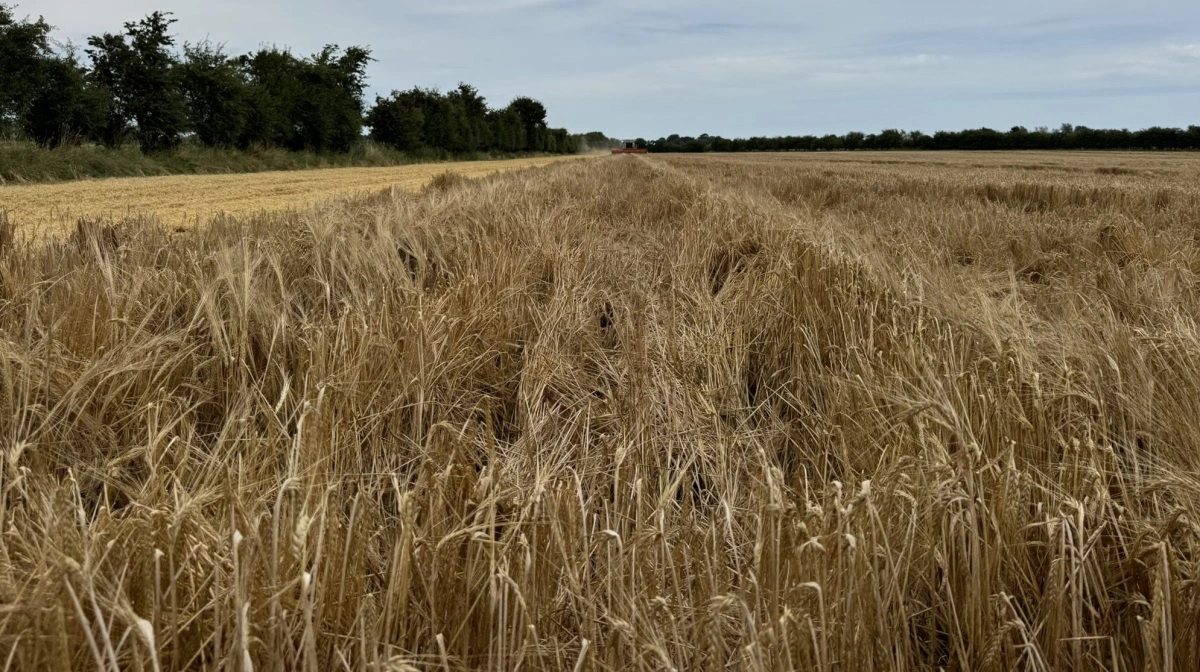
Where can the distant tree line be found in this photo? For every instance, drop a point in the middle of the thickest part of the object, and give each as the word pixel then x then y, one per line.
pixel 1018 137
pixel 136 86
pixel 460 121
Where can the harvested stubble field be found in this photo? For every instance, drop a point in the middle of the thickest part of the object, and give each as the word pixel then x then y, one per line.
pixel 184 200
pixel 852 412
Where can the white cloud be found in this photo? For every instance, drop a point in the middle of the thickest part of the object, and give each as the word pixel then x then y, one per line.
pixel 1183 53
pixel 1167 61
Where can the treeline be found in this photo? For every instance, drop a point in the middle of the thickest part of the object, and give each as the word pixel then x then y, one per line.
pixel 1018 137
pixel 461 121
pixel 137 86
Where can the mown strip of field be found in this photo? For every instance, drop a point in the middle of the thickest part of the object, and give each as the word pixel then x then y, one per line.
pixel 182 200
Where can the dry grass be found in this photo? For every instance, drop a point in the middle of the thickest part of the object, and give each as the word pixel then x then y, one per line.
pixel 636 413
pixel 182 200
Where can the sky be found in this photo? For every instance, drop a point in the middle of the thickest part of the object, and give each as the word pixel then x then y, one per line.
pixel 739 68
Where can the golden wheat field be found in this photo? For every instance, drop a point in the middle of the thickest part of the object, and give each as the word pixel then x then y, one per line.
pixel 755 412
pixel 183 200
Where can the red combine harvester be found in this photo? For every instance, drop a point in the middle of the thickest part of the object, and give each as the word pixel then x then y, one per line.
pixel 629 147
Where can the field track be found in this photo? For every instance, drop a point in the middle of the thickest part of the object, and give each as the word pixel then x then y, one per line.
pixel 180 200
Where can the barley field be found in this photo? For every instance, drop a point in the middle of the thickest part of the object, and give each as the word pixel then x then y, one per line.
pixel 183 200
pixel 758 412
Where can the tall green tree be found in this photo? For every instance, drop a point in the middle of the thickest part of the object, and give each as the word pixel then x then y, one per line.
pixel 474 132
pixel 65 108
pixel 215 93
pixel 314 103
pixel 112 62
pixel 24 50
pixel 533 118
pixel 507 130
pixel 137 68
pixel 441 125
pixel 274 88
pixel 329 114
pixel 397 121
